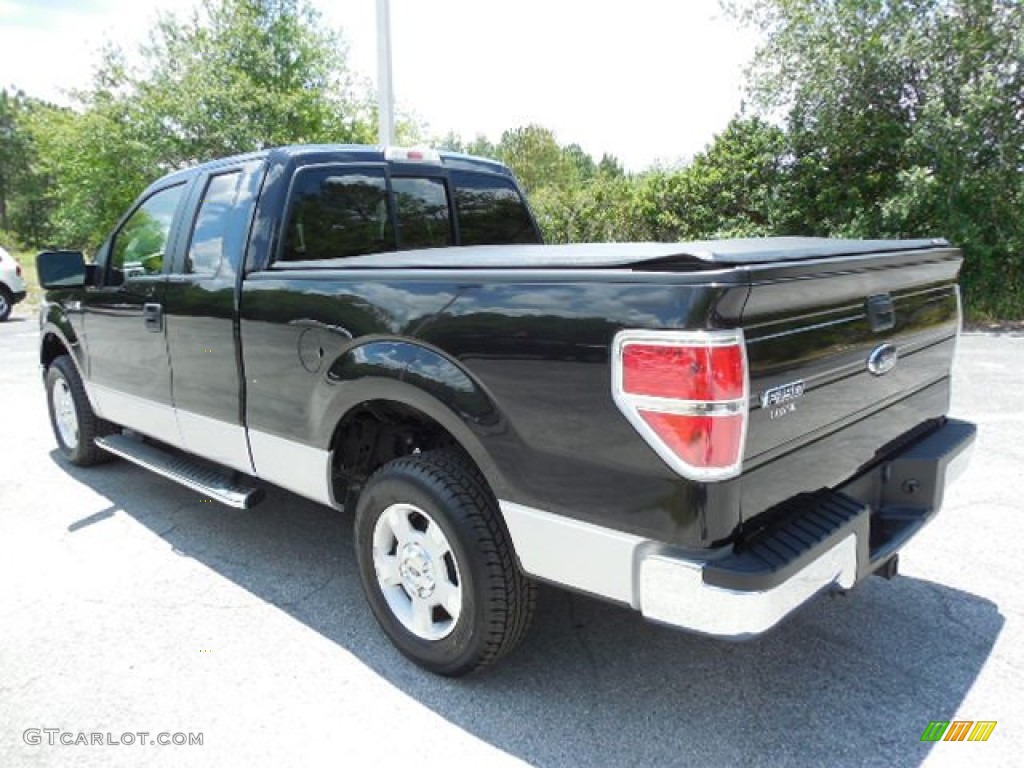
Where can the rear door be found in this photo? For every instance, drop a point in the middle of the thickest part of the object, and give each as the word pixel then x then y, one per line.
pixel 129 374
pixel 201 318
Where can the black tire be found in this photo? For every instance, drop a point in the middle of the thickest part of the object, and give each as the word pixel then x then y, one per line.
pixel 84 452
pixel 497 599
pixel 6 303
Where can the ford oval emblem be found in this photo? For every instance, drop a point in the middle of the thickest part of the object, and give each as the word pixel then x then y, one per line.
pixel 882 359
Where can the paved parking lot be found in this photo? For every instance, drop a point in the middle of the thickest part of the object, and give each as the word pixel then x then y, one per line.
pixel 128 604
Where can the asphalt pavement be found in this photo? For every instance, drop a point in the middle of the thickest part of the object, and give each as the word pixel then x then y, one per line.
pixel 130 605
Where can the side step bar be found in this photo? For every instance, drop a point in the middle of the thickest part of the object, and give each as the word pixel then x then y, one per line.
pixel 191 473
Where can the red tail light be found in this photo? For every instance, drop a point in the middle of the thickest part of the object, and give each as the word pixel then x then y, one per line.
pixel 17 269
pixel 686 394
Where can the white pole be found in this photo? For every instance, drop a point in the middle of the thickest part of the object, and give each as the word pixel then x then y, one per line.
pixel 385 93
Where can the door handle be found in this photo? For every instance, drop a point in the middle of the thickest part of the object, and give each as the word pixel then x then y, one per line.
pixel 153 317
pixel 881 312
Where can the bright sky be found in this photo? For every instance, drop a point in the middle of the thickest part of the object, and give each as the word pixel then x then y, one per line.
pixel 645 80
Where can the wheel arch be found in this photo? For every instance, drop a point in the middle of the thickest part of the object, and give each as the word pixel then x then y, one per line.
pixel 58 337
pixel 51 346
pixel 396 397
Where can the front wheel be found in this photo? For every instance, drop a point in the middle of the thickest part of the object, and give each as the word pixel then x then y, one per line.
pixel 74 423
pixel 437 565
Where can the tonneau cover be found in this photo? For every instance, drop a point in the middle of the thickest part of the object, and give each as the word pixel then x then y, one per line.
pixel 699 254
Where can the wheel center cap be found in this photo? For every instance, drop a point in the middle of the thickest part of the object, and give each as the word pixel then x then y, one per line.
pixel 416 570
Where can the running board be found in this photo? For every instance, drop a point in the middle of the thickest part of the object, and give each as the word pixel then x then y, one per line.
pixel 216 484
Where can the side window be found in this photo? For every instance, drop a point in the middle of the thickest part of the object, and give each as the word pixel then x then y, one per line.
pixel 424 219
pixel 218 230
pixel 336 212
pixel 140 244
pixel 491 211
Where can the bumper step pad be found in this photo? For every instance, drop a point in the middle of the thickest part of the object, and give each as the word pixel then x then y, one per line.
pixel 810 524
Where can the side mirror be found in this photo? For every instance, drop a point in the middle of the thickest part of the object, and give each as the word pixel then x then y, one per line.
pixel 61 269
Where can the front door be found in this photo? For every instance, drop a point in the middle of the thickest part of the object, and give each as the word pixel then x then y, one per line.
pixel 129 376
pixel 200 316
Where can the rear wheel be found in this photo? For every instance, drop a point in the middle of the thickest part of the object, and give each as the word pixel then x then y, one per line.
pixel 6 303
pixel 74 423
pixel 437 565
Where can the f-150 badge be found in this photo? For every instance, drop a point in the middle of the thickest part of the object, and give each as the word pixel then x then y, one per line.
pixel 778 401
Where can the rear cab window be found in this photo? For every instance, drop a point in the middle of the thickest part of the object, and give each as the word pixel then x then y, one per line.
pixel 491 210
pixel 423 212
pixel 336 211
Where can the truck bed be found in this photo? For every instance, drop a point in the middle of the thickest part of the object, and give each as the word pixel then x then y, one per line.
pixel 698 254
pixel 532 327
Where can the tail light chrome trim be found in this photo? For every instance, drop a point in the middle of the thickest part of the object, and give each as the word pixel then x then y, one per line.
pixel 633 406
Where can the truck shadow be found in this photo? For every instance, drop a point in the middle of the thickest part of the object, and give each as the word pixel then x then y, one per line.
pixel 848 680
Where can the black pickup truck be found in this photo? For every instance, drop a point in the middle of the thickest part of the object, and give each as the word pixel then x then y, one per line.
pixel 708 432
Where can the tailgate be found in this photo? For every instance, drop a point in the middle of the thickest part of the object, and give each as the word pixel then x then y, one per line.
pixel 846 356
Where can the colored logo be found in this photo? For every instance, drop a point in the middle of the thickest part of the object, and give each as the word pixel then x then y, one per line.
pixel 958 730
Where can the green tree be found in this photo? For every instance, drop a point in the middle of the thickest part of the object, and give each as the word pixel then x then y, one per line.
pixel 241 75
pixel 610 166
pixel 234 76
pixel 94 163
pixel 581 166
pixel 734 188
pixel 602 209
pixel 904 118
pixel 13 141
pixel 534 156
pixel 24 206
pixel 480 146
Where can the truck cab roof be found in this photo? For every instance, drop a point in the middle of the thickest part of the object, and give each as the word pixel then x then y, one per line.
pixel 340 153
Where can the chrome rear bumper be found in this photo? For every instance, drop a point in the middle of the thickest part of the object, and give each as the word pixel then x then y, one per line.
pixel 673 591
pixel 830 539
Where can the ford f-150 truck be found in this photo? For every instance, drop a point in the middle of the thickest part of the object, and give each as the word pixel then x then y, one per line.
pixel 708 432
